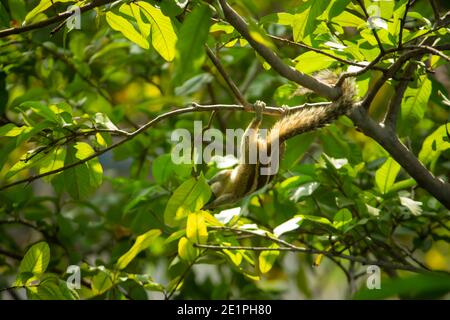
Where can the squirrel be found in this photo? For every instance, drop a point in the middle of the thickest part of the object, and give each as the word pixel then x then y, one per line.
pixel 231 185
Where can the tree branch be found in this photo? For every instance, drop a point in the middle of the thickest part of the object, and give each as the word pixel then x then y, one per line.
pixel 361 260
pixel 434 5
pixel 274 61
pixel 390 142
pixel 128 136
pixel 286 246
pixel 397 65
pixel 55 19
pixel 396 101
pixel 319 51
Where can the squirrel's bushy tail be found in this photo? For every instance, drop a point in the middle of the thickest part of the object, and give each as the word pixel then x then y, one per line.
pixel 314 117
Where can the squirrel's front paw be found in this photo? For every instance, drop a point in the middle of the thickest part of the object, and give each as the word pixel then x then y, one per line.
pixel 259 107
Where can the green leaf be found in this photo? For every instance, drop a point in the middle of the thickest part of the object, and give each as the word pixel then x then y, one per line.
pixel 142 242
pixel 18 9
pixel 173 8
pixel 175 236
pixel 29 160
pixel 306 21
pixel 52 288
pixel 163 169
pixel 11 130
pixel 143 195
pixel 189 197
pixel 41 109
pixel 347 19
pixel 36 259
pixel 196 230
pixel 186 250
pixel 42 6
pixel 53 161
pixel 163 35
pixel 80 181
pixel 403 184
pixel 133 10
pixel 101 282
pixel 311 61
pixel 414 104
pixel 267 258
pixel 342 218
pixel 385 176
pixel 434 145
pixel 282 18
pixel 122 25
pixel 190 46
pixel 315 219
pixel 429 285
pixel 299 25
pixel 334 9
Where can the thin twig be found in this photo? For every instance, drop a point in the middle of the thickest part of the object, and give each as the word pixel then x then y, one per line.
pixel 285 246
pixel 375 34
pixel 233 87
pixel 388 265
pixel 402 24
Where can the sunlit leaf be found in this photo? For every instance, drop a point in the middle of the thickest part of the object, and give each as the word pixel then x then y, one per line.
pixel 101 282
pixel 311 61
pixel 385 176
pixel 414 104
pixel 189 197
pixel 122 25
pixel 36 259
pixel 142 242
pixel 81 180
pixel 42 6
pixel 434 145
pixel 342 218
pixel 163 35
pixel 196 230
pixel 186 250
pixel 267 258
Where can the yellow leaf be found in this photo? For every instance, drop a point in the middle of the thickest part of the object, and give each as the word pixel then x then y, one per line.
pixel 163 35
pixel 268 258
pixel 186 250
pixel 121 24
pixel 142 242
pixel 196 228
